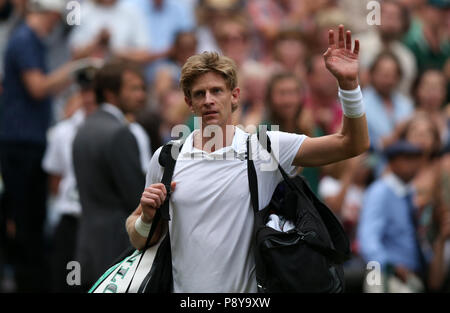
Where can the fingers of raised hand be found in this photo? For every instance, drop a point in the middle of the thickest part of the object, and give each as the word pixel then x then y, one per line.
pixel 344 40
pixel 341 42
pixel 348 40
pixel 356 49
pixel 331 38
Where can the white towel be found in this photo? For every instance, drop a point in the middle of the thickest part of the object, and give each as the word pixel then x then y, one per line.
pixel 279 223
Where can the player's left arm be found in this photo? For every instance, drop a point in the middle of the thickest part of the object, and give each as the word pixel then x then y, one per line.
pixel 353 139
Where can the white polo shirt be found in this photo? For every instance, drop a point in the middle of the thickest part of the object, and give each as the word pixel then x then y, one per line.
pixel 211 215
pixel 57 160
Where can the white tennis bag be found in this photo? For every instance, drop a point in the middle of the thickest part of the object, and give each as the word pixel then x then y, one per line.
pixel 127 275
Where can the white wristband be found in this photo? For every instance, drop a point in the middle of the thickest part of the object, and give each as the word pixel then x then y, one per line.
pixel 141 227
pixel 352 102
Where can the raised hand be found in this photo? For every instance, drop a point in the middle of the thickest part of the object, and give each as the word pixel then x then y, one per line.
pixel 341 61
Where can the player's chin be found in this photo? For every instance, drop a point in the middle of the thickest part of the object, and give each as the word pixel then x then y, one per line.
pixel 209 120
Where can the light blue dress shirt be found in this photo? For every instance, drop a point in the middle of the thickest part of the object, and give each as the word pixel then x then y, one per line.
pixel 380 122
pixel 386 233
pixel 166 21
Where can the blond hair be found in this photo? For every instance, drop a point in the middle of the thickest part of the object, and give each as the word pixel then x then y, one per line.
pixel 207 62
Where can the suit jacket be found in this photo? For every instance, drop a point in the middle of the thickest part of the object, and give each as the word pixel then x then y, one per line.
pixel 110 182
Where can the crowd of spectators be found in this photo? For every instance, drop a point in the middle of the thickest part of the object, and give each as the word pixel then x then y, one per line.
pixel 393 201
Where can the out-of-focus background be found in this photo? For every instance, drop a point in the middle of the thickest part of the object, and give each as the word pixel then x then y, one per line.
pixel 49 53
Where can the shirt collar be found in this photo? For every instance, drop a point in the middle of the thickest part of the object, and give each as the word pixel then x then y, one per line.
pixel 78 117
pixel 237 149
pixel 397 185
pixel 112 109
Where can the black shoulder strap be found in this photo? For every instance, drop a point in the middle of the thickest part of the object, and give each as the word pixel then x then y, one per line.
pixel 167 159
pixel 252 178
pixel 251 171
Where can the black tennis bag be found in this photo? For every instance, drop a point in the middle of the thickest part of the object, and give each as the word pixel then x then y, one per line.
pixel 307 258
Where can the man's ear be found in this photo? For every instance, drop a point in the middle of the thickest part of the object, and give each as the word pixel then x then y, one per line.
pixel 189 103
pixel 110 96
pixel 235 96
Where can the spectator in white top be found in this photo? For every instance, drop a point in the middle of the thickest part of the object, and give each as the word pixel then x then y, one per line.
pixel 212 218
pixel 57 162
pixel 110 27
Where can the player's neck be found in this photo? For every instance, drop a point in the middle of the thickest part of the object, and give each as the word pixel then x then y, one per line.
pixel 214 137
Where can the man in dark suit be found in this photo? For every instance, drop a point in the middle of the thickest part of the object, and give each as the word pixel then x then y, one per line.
pixel 107 169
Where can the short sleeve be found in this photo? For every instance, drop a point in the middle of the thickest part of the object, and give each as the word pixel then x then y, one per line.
pixel 52 161
pixel 154 170
pixel 26 57
pixel 285 147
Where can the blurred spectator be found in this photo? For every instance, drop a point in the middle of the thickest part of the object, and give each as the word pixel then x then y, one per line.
pixel 290 53
pixel 254 77
pixel 234 41
pixel 428 36
pixel 168 71
pixel 107 168
pixel 109 27
pixel 421 131
pixel 284 101
pixel 446 71
pixel 150 121
pixel 387 231
pixel 430 95
pixel 356 14
pixel 385 106
pixel 10 16
pixel 57 162
pixel 142 139
pixel 25 118
pixel 165 18
pixel 387 36
pixel 324 21
pixel 286 110
pixel 210 15
pixel 413 6
pixel 269 17
pixel 342 189
pixel 321 97
pixel 344 192
pixel 173 111
pixel 439 278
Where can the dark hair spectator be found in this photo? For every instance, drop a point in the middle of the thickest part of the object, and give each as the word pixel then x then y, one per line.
pixel 110 79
